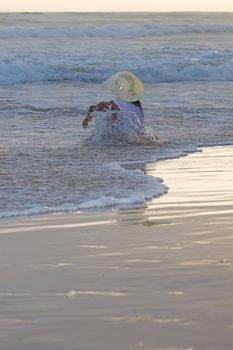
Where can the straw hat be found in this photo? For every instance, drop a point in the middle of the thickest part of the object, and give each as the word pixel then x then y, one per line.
pixel 126 86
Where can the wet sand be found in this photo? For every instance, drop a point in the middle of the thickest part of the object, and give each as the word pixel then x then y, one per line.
pixel 158 277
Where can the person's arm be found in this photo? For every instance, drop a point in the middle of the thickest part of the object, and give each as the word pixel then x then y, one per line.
pixel 100 107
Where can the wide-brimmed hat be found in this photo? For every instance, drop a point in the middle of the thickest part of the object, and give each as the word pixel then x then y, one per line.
pixel 126 86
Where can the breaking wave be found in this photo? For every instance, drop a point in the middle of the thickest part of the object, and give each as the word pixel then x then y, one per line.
pixel 174 66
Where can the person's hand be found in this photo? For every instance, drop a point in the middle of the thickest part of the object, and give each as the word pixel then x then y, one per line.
pixel 85 122
pixel 102 106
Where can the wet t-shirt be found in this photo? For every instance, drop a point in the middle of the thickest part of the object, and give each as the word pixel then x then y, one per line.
pixel 131 111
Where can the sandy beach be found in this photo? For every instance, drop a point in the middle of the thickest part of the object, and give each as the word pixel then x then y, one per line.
pixel 153 278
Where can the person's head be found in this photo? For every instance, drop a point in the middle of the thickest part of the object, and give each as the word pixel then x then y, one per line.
pixel 126 86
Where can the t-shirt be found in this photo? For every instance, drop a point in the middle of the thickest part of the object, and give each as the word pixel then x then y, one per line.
pixel 130 110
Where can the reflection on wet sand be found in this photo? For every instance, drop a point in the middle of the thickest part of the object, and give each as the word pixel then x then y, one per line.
pixel 158 277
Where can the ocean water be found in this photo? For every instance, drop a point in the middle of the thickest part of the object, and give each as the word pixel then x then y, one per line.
pixel 51 69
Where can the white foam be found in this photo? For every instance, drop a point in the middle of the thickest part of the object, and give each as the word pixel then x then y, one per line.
pixel 105 201
pixel 154 66
pixel 151 187
pixel 73 293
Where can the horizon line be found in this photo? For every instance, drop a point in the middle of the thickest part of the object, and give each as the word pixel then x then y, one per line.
pixel 122 11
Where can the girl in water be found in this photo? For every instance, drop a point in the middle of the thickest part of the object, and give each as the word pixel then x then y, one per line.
pixel 128 89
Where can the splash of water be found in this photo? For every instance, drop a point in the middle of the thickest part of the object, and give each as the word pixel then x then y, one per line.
pixel 118 128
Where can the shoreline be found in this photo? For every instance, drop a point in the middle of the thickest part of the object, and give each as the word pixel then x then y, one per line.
pixel 154 278
pixel 82 209
pixel 150 169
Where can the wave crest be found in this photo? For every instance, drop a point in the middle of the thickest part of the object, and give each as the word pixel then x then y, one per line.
pixel 174 66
